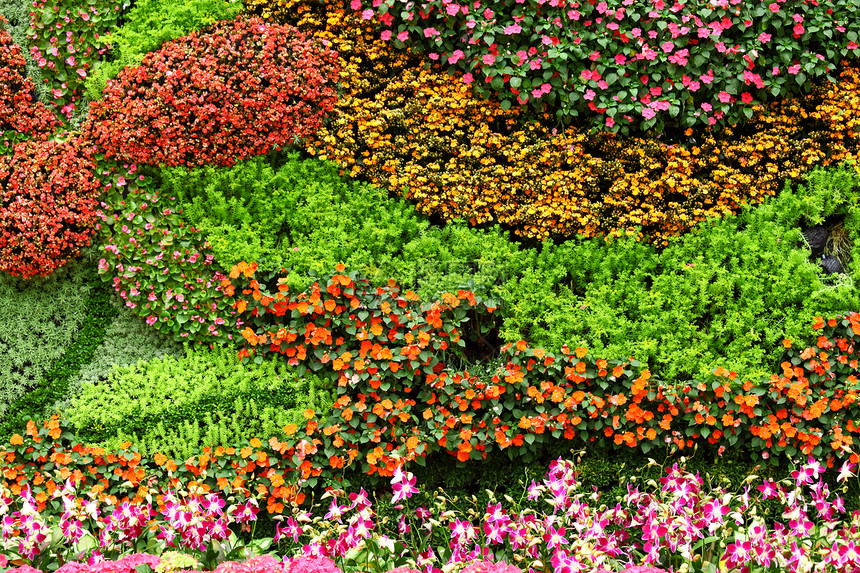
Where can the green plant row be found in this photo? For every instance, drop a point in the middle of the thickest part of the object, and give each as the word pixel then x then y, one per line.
pixel 176 405
pixel 52 386
pixel 725 294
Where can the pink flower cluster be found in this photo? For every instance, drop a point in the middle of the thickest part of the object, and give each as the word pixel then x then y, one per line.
pixel 604 58
pixel 159 266
pixel 651 530
pixel 66 40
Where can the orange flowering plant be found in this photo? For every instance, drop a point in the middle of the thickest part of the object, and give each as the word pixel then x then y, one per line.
pixel 397 397
pixel 810 407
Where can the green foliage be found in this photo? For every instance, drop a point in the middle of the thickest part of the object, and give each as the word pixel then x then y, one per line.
pixel 39 319
pixel 36 404
pixel 147 26
pixel 127 340
pixel 306 218
pixel 725 294
pixel 222 427
pixel 206 395
pixel 828 195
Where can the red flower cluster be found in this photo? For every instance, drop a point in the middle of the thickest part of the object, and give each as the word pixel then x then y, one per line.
pixel 217 98
pixel 48 196
pixel 18 110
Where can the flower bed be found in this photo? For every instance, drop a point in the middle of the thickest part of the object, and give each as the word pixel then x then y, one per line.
pixel 378 424
pixel 676 523
pixel 628 64
pixel 425 134
pixel 406 388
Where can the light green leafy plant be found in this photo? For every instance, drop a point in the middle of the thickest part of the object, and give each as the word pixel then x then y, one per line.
pixel 39 318
pixel 725 294
pixel 205 397
pixel 305 217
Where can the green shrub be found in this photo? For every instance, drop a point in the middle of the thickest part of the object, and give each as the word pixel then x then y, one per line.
pixel 306 218
pixel 222 427
pixel 725 294
pixel 127 340
pixel 40 401
pixel 39 319
pixel 149 24
pixel 206 395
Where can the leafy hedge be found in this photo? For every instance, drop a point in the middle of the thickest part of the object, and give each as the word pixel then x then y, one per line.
pixel 726 293
pixel 127 341
pixel 216 97
pixel 38 321
pixel 51 330
pixel 161 404
pixel 306 218
pixel 699 302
